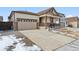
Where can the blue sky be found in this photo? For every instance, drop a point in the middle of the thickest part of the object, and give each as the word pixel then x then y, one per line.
pixel 68 11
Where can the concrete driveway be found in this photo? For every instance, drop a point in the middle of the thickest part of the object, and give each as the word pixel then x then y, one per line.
pixel 47 40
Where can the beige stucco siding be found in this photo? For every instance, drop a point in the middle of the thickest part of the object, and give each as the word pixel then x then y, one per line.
pixel 12 18
pixel 48 19
pixel 15 26
pixel 55 20
pixel 26 16
pixel 24 25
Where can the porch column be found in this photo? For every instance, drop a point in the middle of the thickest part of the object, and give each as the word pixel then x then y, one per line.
pixel 59 22
pixel 46 23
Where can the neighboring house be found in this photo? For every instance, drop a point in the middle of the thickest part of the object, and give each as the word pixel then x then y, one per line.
pixel 1 18
pixel 23 20
pixel 72 22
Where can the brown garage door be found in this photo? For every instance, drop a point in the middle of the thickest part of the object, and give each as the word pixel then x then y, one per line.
pixel 27 25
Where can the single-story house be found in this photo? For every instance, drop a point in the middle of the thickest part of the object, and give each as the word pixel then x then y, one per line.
pixel 72 22
pixel 24 20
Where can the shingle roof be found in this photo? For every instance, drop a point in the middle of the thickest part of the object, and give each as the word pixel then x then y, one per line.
pixel 75 17
pixel 60 14
pixel 72 19
pixel 39 13
pixel 23 12
pixel 47 10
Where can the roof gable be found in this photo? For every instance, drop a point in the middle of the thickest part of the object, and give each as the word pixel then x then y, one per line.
pixel 51 11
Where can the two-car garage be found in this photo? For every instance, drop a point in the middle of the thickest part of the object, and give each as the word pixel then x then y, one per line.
pixel 24 20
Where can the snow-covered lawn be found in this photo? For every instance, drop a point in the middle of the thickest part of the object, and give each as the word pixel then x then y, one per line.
pixel 11 43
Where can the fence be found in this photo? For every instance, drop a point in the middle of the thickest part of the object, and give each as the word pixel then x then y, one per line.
pixel 6 26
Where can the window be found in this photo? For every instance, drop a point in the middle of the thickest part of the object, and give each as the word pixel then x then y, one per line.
pixel 35 20
pixel 18 20
pixel 26 20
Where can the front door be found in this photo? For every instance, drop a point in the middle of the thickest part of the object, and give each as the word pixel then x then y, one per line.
pixel 41 22
pixel 51 20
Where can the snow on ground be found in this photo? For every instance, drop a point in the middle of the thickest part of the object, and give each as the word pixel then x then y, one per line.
pixel 11 43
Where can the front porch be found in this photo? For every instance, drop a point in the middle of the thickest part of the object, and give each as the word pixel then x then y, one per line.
pixel 45 20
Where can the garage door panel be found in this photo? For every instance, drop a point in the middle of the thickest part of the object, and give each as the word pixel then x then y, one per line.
pixel 27 25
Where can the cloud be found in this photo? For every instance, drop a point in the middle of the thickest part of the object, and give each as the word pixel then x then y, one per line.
pixel 69 16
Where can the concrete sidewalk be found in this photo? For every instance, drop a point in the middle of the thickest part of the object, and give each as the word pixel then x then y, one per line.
pixel 47 40
pixel 73 46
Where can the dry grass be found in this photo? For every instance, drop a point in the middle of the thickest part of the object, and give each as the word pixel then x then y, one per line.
pixel 65 30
